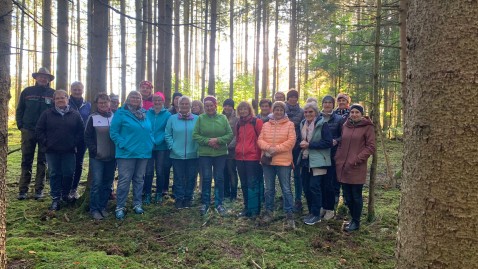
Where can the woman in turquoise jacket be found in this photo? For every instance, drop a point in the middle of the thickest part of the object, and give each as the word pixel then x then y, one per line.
pixel 158 116
pixel 183 152
pixel 212 132
pixel 131 133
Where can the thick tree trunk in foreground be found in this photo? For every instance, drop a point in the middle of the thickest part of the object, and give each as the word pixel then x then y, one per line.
pixel 5 39
pixel 438 209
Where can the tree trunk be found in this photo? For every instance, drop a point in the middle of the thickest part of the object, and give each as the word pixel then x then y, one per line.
pixel 149 57
pixel 123 51
pixel 438 209
pixel 256 51
pixel 375 112
pixel 186 32
pixel 177 46
pixel 403 49
pixel 204 63
pixel 265 48
pixel 292 43
pixel 110 58
pixel 5 40
pixel 98 22
pixel 246 38
pixel 139 42
pixel 62 46
pixel 275 82
pixel 231 48
pixel 211 90
pixel 20 58
pixel 78 38
pixel 46 34
pixel 168 51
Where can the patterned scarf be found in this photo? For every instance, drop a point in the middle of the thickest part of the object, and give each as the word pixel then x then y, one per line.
pixel 137 112
pixel 62 111
pixel 187 116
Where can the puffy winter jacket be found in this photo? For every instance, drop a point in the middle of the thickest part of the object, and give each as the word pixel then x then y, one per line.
pixel 247 134
pixel 281 135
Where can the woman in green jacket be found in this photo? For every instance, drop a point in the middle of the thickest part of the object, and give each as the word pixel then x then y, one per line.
pixel 212 132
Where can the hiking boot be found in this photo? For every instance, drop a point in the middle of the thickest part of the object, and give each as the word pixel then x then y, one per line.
pixel 138 209
pixel 221 210
pixel 120 214
pixel 96 215
pixel 55 205
pixel 178 204
pixel 329 214
pixel 312 220
pixel 104 213
pixel 290 221
pixel 267 217
pixel 147 199
pixel 204 209
pixel 353 226
pixel 158 198
pixel 22 196
pixel 187 203
pixel 298 206
pixel 38 195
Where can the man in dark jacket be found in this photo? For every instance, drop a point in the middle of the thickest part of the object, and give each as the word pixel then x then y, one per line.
pixel 296 115
pixel 33 101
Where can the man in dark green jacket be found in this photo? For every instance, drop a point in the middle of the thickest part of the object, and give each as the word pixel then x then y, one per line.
pixel 33 101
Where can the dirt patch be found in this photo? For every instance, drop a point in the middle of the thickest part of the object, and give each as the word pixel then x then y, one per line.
pixel 20 264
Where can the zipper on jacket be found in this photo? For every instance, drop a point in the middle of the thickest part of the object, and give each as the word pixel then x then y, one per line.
pixel 186 137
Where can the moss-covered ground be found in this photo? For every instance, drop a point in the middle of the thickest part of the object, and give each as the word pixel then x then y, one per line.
pixel 168 238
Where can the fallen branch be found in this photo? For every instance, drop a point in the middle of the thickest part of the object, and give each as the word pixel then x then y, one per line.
pixel 13 151
pixel 255 264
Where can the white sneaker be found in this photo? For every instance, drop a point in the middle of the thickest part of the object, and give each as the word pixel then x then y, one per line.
pixel 329 214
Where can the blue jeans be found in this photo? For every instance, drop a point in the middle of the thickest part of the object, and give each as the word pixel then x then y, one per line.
pixel 353 200
pixel 155 164
pixel 250 174
pixel 62 168
pixel 79 158
pixel 210 166
pixel 186 171
pixel 102 176
pixel 283 173
pixel 130 170
pixel 312 190
pixel 297 177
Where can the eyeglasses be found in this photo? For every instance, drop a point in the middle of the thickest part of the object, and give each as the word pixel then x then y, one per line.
pixel 309 112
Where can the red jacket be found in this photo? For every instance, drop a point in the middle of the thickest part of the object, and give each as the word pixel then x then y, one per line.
pixel 246 140
pixel 356 146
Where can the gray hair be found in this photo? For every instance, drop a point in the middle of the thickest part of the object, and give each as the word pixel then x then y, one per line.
pixel 312 99
pixel 312 105
pixel 77 83
pixel 187 98
pixel 60 91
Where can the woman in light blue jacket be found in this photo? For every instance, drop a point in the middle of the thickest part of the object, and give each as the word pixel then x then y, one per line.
pixel 158 116
pixel 179 137
pixel 131 133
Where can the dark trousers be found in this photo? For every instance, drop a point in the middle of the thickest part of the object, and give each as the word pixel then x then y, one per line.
pixel 332 170
pixel 79 158
pixel 328 191
pixel 167 172
pixel 29 142
pixel 250 174
pixel 156 164
pixel 186 171
pixel 353 200
pixel 313 190
pixel 297 178
pixel 230 180
pixel 62 167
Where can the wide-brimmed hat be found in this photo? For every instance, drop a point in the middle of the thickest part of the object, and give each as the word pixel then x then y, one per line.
pixel 43 71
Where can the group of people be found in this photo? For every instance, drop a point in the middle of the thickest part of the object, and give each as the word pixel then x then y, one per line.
pixel 325 148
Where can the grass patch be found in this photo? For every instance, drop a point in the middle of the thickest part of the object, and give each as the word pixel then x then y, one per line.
pixel 166 238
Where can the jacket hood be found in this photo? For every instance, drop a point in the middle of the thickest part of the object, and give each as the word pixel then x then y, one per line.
pixel 364 122
pixel 281 121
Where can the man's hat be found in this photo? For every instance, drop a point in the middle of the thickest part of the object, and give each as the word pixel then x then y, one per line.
pixel 43 71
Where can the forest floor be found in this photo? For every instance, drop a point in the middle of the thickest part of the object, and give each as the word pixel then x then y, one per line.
pixel 168 238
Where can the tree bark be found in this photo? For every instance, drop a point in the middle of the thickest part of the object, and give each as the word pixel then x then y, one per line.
pixel 265 48
pixel 98 21
pixel 78 38
pixel 292 43
pixel 123 50
pixel 62 45
pixel 246 38
pixel 275 82
pixel 20 57
pixel 256 50
pixel 204 63
pixel 149 57
pixel 46 34
pixel 438 209
pixel 139 42
pixel 231 48
pixel 211 90
pixel 5 40
pixel 177 46
pixel 403 49
pixel 186 32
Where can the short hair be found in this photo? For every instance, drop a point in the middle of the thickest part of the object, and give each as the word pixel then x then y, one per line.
pixel 200 104
pixel 77 83
pixel 313 106
pixel 187 98
pixel 312 99
pixel 134 93
pixel 60 91
pixel 282 93
pixel 248 106
pixel 278 104
pixel 265 101
pixel 103 96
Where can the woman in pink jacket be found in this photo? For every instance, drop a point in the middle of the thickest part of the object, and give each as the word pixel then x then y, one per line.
pixel 276 141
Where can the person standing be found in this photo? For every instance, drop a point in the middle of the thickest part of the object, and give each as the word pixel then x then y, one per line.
pixel 101 150
pixel 296 115
pixel 179 137
pixel 357 145
pixel 265 105
pixel 32 102
pixel 343 108
pixel 279 96
pixel 230 173
pixel 212 132
pixel 60 130
pixel 114 102
pixel 146 90
pixel 83 107
pixel 131 132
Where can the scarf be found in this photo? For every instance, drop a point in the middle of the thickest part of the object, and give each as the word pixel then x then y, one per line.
pixel 138 113
pixel 342 112
pixel 244 120
pixel 306 132
pixel 62 111
pixel 187 116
